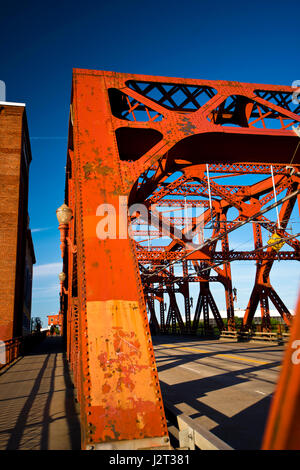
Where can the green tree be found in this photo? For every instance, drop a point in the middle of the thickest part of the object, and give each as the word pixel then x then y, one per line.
pixel 37 324
pixel 52 330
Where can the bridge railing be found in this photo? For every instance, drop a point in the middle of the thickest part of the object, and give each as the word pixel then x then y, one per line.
pixel 229 335
pixel 188 434
pixel 259 336
pixel 265 336
pixel 10 351
pixel 13 348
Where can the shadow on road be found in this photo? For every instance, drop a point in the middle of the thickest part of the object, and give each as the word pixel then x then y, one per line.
pixel 242 430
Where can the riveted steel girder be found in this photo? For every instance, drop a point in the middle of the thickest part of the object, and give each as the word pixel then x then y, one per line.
pixel 128 135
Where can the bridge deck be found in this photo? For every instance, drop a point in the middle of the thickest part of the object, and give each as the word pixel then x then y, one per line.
pixel 37 407
pixel 225 387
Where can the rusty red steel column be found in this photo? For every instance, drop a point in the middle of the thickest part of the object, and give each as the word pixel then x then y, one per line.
pixel 227 272
pixel 283 429
pixel 121 403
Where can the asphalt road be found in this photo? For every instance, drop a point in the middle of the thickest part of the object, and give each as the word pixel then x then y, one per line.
pixel 225 386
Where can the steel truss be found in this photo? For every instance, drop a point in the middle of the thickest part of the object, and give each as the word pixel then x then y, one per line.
pixel 152 141
pixel 247 199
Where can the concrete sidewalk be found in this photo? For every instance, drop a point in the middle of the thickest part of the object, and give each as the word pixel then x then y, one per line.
pixel 37 406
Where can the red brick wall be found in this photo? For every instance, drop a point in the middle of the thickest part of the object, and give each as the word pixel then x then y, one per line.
pixel 55 320
pixel 11 127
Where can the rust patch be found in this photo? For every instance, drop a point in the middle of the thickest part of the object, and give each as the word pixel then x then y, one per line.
pixel 187 127
pixel 96 167
pixel 125 360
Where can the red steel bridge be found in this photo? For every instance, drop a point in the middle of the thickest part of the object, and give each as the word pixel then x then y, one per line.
pixel 185 163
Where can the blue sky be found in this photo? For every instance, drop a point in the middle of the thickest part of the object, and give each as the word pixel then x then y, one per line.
pixel 40 43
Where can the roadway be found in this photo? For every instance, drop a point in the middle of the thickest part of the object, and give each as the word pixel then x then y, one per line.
pixel 225 386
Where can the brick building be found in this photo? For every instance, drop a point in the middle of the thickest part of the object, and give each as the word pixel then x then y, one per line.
pixel 56 320
pixel 16 248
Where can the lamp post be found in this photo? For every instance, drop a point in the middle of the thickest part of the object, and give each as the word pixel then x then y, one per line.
pixel 62 277
pixel 64 215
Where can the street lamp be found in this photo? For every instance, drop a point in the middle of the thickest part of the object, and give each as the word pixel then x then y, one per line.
pixel 64 215
pixel 62 277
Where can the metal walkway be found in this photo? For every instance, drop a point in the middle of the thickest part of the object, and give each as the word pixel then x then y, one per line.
pixel 37 406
